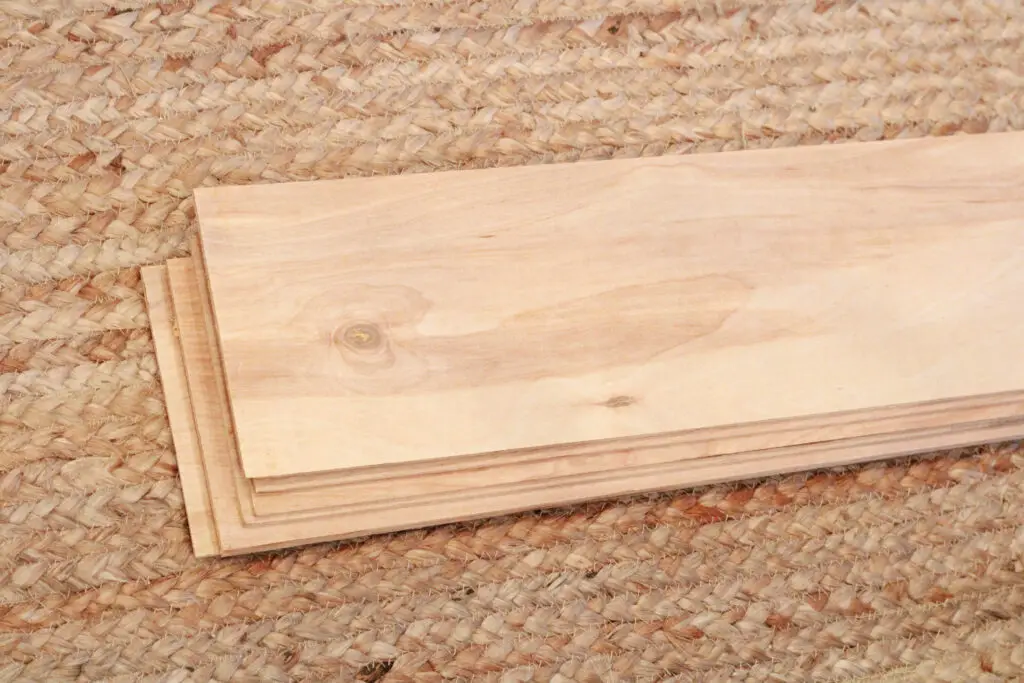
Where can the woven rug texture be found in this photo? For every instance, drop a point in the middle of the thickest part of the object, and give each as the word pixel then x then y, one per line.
pixel 111 112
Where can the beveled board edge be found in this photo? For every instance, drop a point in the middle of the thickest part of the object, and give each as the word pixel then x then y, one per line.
pixel 230 491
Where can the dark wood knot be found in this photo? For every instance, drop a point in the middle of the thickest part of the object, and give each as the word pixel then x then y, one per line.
pixel 619 401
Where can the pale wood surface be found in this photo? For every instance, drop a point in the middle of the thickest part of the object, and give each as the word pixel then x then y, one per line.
pixel 868 292
pixel 242 531
pixel 635 474
pixel 893 420
pixel 198 506
pixel 387 320
pixel 613 460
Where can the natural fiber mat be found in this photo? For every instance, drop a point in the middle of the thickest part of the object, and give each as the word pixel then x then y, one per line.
pixel 112 111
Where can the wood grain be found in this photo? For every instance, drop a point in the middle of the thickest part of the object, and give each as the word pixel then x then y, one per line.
pixel 613 460
pixel 388 320
pixel 892 420
pixel 243 530
pixel 187 449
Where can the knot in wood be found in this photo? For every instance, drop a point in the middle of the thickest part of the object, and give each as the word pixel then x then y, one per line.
pixel 361 337
pixel 619 401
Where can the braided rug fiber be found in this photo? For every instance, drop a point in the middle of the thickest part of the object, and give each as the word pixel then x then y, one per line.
pixel 111 112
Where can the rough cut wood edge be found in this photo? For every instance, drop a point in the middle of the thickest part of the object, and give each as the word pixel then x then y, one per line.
pixel 198 509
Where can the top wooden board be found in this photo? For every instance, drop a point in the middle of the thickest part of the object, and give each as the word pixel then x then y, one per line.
pixel 382 320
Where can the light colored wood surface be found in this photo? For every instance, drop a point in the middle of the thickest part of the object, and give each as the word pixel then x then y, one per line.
pixel 230 492
pixel 674 466
pixel 613 460
pixel 242 531
pixel 388 320
pixel 449 355
pixel 892 420
pixel 198 506
pixel 387 518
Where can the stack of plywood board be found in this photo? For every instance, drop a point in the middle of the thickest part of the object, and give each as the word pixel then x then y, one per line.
pixel 349 357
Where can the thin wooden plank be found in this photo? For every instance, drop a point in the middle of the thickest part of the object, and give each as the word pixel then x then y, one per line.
pixel 613 460
pixel 704 472
pixel 220 465
pixel 388 320
pixel 292 532
pixel 202 527
pixel 482 499
pixel 227 485
pixel 720 441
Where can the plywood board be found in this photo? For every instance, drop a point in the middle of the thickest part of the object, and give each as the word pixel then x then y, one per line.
pixel 633 476
pixel 242 532
pixel 611 461
pixel 716 441
pixel 389 320
pixel 187 450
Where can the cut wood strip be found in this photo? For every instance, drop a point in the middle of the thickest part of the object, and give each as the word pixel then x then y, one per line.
pixel 389 320
pixel 844 451
pixel 613 460
pixel 198 508
pixel 228 488
pixel 699 473
pixel 228 485
pixel 720 441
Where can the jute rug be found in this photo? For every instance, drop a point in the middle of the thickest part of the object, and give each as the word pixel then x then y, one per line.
pixel 112 111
